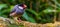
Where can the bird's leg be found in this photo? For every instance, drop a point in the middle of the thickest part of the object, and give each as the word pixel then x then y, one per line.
pixel 17 19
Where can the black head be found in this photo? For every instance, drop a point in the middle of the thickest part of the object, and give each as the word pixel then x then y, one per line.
pixel 22 4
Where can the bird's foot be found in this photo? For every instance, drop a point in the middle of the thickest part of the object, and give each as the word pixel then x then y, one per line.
pixel 19 20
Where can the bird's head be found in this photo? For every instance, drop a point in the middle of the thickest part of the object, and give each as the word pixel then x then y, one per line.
pixel 23 5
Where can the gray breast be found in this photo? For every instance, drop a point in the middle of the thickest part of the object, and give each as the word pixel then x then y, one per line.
pixel 19 11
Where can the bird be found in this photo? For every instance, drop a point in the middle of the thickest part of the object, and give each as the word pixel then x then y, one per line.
pixel 18 11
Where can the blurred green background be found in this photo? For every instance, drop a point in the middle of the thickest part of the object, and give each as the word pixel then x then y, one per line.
pixel 38 11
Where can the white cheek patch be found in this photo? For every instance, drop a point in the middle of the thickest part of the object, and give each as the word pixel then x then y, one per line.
pixel 20 7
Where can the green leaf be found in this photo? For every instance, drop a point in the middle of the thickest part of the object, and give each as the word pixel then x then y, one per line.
pixel 3 6
pixel 34 12
pixel 5 12
pixel 11 0
pixel 49 10
pixel 28 18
